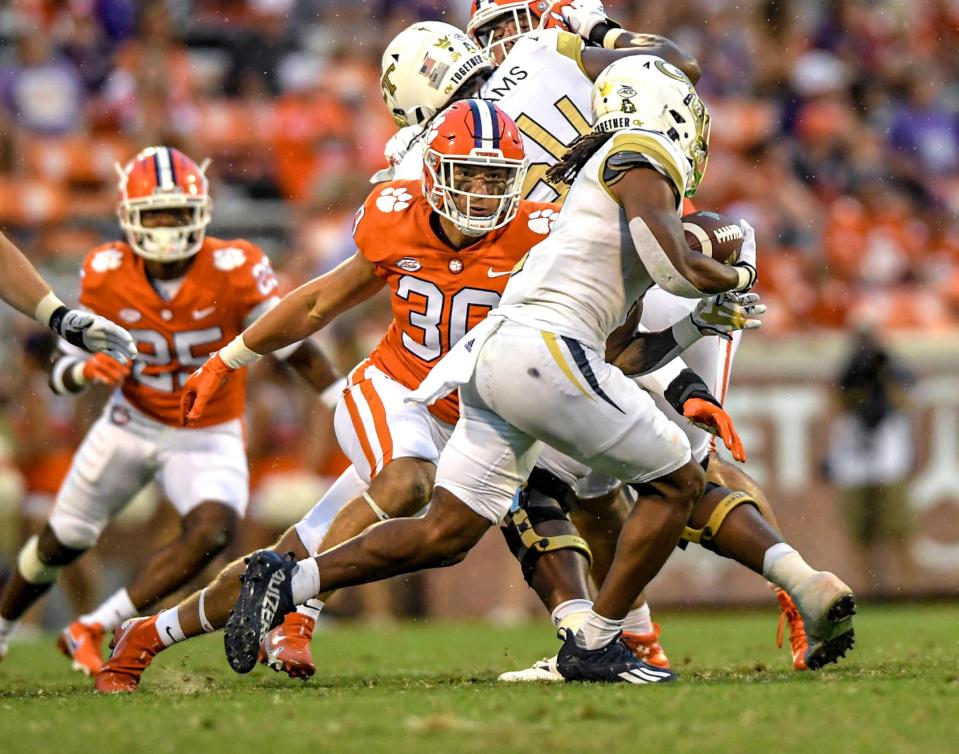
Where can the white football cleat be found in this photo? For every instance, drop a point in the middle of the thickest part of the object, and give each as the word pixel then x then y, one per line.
pixel 826 606
pixel 541 671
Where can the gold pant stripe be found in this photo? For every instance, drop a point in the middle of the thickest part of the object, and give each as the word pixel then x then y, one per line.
pixel 557 354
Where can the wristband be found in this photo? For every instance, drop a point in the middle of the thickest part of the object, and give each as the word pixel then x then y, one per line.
pixel 685 332
pixel 235 354
pixel 611 37
pixel 599 33
pixel 331 394
pixel 747 277
pixel 59 371
pixel 686 385
pixel 46 308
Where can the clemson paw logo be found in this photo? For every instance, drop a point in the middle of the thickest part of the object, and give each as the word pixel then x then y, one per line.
pixel 108 259
pixel 229 258
pixel 541 221
pixel 393 200
pixel 435 127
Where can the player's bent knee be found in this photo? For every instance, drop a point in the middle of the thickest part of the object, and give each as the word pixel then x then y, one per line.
pixel 710 514
pixel 209 528
pixel 74 533
pixel 538 522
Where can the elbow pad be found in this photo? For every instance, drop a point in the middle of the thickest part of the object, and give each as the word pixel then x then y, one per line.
pixel 658 264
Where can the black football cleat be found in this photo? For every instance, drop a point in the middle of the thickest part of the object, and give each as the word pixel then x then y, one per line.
pixel 614 663
pixel 265 597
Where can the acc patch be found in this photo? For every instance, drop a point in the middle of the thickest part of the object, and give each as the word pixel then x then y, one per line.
pixel 229 258
pixel 393 200
pixel 408 264
pixel 130 315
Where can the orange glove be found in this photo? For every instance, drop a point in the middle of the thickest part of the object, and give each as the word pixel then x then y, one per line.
pixel 714 420
pixel 105 370
pixel 200 387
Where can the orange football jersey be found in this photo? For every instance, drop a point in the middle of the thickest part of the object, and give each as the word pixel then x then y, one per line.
pixel 226 283
pixel 438 293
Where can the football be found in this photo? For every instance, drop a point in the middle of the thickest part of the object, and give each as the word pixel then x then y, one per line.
pixel 715 235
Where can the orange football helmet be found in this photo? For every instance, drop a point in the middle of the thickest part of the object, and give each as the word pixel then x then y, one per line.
pixel 526 15
pixel 163 178
pixel 473 143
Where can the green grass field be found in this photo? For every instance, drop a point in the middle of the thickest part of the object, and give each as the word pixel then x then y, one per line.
pixel 431 688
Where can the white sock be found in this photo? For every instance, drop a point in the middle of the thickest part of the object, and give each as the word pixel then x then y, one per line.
pixel 571 614
pixel 113 612
pixel 168 626
pixel 597 631
pixel 306 581
pixel 638 620
pixel 311 609
pixel 7 629
pixel 784 567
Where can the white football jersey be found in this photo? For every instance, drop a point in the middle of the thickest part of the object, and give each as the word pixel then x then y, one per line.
pixel 584 278
pixel 542 86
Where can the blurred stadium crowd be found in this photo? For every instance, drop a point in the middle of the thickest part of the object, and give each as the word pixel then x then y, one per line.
pixel 835 133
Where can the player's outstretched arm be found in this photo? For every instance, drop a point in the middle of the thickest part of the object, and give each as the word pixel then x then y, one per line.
pixel 588 19
pixel 717 315
pixel 298 315
pixel 22 287
pixel 649 202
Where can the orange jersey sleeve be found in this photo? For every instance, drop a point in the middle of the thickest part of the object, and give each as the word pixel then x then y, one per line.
pixel 438 293
pixel 227 284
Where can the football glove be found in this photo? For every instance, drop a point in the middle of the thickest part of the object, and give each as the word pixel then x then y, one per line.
pixel 747 255
pixel 724 314
pixel 716 421
pixel 395 150
pixel 93 333
pixel 201 386
pixel 105 370
pixel 581 16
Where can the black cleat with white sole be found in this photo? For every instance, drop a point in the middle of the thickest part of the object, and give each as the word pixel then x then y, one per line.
pixel 265 597
pixel 614 663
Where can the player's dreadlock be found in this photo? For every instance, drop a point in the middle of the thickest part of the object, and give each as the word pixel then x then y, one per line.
pixel 584 147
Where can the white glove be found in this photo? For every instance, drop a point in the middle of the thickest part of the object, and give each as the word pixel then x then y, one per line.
pixel 93 333
pixel 724 314
pixel 747 255
pixel 395 150
pixel 581 15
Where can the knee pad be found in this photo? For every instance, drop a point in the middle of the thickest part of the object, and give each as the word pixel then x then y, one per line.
pixel 707 533
pixel 32 568
pixel 73 532
pixel 542 499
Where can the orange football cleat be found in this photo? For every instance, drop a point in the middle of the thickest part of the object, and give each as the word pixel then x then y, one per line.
pixel 135 644
pixel 82 643
pixel 798 642
pixel 286 649
pixel 646 647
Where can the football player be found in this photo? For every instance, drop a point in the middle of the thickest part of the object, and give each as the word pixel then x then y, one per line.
pixel 445 246
pixel 184 294
pixel 542 77
pixel 619 232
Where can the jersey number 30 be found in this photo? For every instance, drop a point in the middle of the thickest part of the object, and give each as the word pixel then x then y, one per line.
pixel 440 310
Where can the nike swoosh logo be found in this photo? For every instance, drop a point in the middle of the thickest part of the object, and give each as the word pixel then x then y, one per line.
pixel 492 274
pixel 201 313
pixel 169 632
